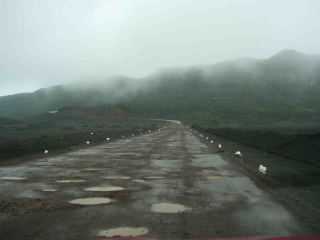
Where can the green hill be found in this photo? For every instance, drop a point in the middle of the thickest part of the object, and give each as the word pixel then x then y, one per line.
pixel 282 91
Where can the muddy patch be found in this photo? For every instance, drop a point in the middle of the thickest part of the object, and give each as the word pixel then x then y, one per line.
pixel 23 206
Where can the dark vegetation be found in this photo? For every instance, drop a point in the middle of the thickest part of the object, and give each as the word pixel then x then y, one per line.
pixel 304 147
pixel 71 126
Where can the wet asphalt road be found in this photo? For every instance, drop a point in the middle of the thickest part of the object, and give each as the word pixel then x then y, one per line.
pixel 171 165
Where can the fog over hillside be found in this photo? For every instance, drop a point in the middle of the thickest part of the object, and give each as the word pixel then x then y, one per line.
pixel 279 91
pixel 47 43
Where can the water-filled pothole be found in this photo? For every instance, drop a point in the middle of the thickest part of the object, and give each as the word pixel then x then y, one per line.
pixel 104 189
pixel 117 177
pixel 92 169
pixel 154 177
pixel 139 181
pixel 91 201
pixel 169 208
pixel 214 177
pixel 123 232
pixel 13 178
pixel 49 190
pixel 71 181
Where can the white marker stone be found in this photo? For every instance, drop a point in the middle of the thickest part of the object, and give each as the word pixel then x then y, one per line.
pixel 169 208
pixel 238 154
pixel 263 169
pixel 46 151
pixel 91 201
pixel 123 232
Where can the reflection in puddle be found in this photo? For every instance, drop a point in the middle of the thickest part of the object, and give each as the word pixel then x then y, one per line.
pixel 154 177
pixel 105 189
pixel 91 201
pixel 49 190
pixel 208 160
pixel 139 181
pixel 92 169
pixel 117 177
pixel 214 177
pixel 13 178
pixel 71 181
pixel 123 232
pixel 169 208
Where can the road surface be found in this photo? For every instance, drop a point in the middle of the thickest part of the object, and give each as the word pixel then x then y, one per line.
pixel 172 186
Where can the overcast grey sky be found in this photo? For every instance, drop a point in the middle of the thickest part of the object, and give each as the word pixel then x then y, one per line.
pixel 49 42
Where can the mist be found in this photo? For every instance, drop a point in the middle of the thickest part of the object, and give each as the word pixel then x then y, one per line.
pixel 46 43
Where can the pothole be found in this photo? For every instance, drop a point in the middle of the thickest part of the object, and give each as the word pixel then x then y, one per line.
pixel 117 177
pixel 214 177
pixel 92 169
pixel 169 208
pixel 104 189
pixel 123 232
pixel 49 190
pixel 91 201
pixel 13 178
pixel 139 181
pixel 154 177
pixel 71 181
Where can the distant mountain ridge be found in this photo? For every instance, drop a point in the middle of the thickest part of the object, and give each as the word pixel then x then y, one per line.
pixel 283 89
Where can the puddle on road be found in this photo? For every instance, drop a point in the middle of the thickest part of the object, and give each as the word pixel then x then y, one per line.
pixel 117 177
pixel 214 177
pixel 154 177
pixel 139 181
pixel 105 189
pixel 91 201
pixel 208 160
pixel 49 190
pixel 169 208
pixel 123 232
pixel 166 163
pixel 13 178
pixel 71 181
pixel 92 169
